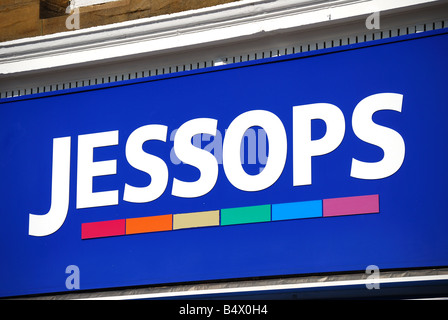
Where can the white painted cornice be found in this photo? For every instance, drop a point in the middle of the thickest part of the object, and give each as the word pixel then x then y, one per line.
pixel 204 27
pixel 85 3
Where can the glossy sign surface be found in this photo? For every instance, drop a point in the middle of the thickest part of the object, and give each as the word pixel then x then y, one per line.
pixel 336 223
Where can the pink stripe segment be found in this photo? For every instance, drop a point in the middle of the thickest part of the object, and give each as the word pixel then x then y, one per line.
pixel 351 205
pixel 102 229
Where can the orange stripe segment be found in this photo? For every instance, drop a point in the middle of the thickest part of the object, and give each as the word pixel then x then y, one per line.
pixel 149 224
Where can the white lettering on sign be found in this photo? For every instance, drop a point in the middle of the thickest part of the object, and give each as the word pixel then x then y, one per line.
pixel 42 225
pixel 304 148
pixel 87 169
pixel 387 139
pixel 277 150
pixel 201 159
pixel 154 166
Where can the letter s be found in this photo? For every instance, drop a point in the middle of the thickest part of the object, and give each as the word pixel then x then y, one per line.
pixel 199 158
pixel 152 165
pixel 387 139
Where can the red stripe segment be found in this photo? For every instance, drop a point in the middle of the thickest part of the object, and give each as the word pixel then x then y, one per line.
pixel 102 229
pixel 351 205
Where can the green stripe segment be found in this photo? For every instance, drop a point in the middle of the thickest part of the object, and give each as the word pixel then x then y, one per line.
pixel 246 215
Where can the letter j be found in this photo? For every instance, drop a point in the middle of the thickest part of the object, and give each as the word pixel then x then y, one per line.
pixel 44 225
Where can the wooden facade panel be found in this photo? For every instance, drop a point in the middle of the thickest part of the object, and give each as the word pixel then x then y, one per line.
pixel 29 18
pixel 19 20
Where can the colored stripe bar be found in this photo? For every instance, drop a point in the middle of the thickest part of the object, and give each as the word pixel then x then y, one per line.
pixel 233 216
pixel 103 229
pixel 196 219
pixel 351 205
pixel 149 224
pixel 246 215
pixel 297 210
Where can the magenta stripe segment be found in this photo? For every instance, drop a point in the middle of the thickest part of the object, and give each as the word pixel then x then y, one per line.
pixel 351 205
pixel 102 229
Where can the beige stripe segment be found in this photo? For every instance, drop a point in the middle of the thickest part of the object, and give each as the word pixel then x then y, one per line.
pixel 196 219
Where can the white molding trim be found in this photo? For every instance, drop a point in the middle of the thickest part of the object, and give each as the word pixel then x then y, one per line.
pixel 275 287
pixel 85 3
pixel 221 24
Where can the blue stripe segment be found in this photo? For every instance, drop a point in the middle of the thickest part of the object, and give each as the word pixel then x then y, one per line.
pixel 297 210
